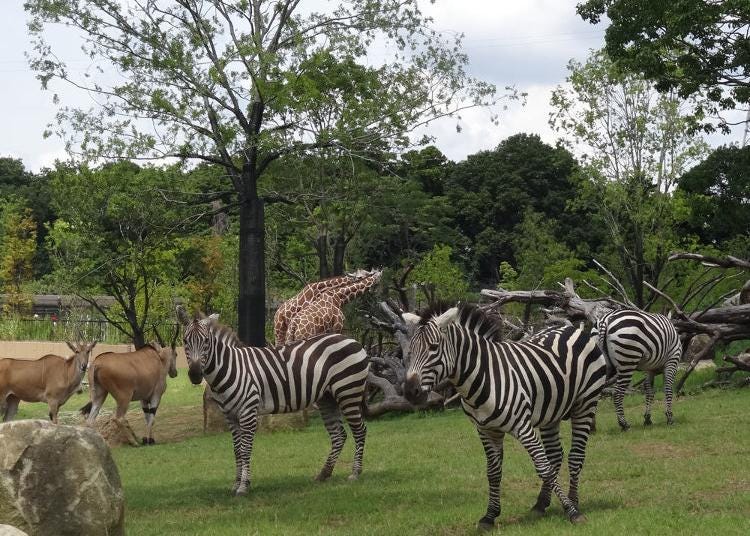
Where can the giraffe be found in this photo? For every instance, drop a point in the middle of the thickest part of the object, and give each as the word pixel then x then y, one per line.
pixel 294 305
pixel 324 314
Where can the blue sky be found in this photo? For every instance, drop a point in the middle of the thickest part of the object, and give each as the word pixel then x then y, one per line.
pixel 523 43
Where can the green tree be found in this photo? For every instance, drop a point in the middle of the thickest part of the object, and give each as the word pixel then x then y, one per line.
pixel 17 249
pixel 718 194
pixel 636 145
pixel 693 47
pixel 117 235
pixel 491 190
pixel 240 83
pixel 34 192
pixel 441 277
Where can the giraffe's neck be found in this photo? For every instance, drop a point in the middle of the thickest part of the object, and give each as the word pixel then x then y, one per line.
pixel 344 294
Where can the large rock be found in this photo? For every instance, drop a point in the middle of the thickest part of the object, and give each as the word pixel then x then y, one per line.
pixel 58 480
pixel 697 344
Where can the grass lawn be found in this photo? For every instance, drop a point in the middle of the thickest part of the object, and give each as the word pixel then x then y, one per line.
pixel 425 474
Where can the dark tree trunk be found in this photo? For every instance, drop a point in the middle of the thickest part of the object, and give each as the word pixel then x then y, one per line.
pixel 139 338
pixel 339 250
pixel 251 308
pixel 321 247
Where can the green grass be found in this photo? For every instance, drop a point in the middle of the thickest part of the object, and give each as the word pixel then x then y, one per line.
pixel 426 475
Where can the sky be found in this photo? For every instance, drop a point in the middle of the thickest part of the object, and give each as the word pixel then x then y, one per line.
pixel 526 44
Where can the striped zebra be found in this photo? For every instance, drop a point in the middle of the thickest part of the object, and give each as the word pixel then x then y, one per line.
pixel 633 340
pixel 512 388
pixel 329 370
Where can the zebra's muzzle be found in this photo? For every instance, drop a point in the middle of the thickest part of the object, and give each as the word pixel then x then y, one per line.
pixel 195 375
pixel 413 391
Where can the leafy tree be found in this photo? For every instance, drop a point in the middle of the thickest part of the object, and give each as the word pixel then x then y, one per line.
pixel 116 235
pixel 718 191
pixel 34 192
pixel 692 46
pixel 491 190
pixel 240 83
pixel 17 247
pixel 636 145
pixel 441 277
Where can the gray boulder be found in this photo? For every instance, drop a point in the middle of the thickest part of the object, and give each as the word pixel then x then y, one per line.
pixel 58 480
pixel 7 530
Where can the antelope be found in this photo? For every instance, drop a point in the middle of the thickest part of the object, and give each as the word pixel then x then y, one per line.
pixel 129 376
pixel 50 378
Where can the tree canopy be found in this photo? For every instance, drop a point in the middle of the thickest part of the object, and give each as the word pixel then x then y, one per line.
pixel 693 47
pixel 240 83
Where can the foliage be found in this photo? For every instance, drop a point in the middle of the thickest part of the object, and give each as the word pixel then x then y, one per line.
pixel 117 235
pixel 490 192
pixel 31 191
pixel 692 47
pixel 635 144
pixel 718 194
pixel 443 276
pixel 17 250
pixel 543 259
pixel 240 84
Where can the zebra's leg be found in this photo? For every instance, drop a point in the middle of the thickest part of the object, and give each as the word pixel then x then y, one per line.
pixel 621 385
pixel 234 428
pixel 546 471
pixel 581 424
pixel 670 371
pixel 331 415
pixel 492 441
pixel 554 452
pixel 247 423
pixel 352 410
pixel 648 384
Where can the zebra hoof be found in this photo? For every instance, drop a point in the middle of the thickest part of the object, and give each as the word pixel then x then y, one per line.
pixel 624 427
pixel 577 519
pixel 241 491
pixel 322 476
pixel 352 477
pixel 144 441
pixel 486 524
pixel 151 441
pixel 537 511
pixel 647 420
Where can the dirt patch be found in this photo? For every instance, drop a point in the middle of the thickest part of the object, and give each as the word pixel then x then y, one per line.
pixel 656 449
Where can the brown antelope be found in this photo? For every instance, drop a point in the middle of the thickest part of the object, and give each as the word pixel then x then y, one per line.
pixel 129 376
pixel 51 379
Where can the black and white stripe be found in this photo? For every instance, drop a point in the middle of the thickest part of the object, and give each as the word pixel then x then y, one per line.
pixel 512 388
pixel 633 340
pixel 329 370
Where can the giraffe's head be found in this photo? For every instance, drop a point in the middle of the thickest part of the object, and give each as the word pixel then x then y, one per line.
pixel 196 340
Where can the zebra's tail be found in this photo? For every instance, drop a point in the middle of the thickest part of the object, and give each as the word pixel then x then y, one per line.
pixel 602 343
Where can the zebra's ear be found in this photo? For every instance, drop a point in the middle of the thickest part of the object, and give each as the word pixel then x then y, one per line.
pixel 447 318
pixel 411 320
pixel 210 319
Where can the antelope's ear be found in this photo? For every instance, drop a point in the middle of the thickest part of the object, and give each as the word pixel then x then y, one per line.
pixel 156 345
pixel 411 320
pixel 182 315
pixel 91 345
pixel 447 318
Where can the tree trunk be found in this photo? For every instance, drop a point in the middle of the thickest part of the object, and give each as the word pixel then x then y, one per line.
pixel 321 247
pixel 139 338
pixel 339 250
pixel 251 301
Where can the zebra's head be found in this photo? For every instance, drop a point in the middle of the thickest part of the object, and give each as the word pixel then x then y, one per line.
pixel 196 338
pixel 430 356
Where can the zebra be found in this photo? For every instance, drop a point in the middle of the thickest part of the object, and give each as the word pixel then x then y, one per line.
pixel 512 387
pixel 631 340
pixel 329 370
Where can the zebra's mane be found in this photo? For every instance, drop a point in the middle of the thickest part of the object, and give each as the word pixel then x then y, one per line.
pixel 433 310
pixel 227 333
pixel 479 322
